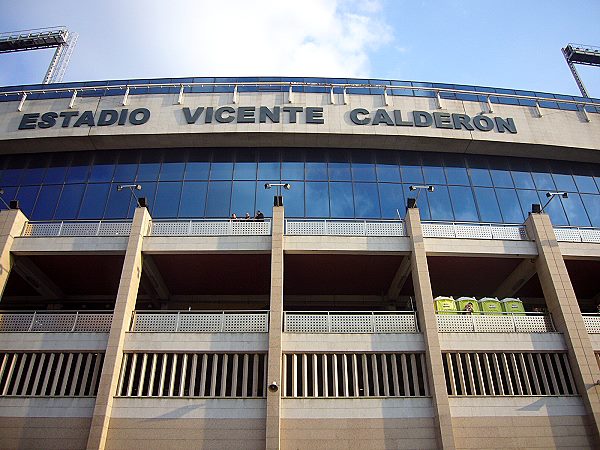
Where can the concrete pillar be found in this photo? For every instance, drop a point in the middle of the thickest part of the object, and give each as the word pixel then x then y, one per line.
pixel 562 304
pixel 428 324
pixel 273 426
pixel 124 306
pixel 12 222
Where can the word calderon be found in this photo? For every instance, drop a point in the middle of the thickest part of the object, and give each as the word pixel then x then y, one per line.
pixel 67 119
pixel 361 116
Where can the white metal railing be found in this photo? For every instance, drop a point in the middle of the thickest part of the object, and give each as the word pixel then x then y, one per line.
pixel 55 321
pixel 592 323
pixel 327 227
pixel 350 322
pixel 468 230
pixel 462 322
pixel 207 227
pixel 200 321
pixel 577 234
pixel 77 228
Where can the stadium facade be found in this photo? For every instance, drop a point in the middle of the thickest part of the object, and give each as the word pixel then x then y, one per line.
pixel 142 309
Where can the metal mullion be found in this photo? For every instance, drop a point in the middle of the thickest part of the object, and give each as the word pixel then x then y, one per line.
pixel 122 372
pixel 163 374
pixel 255 376
pixel 345 375
pixel 543 372
pixel 375 375
pixel 523 366
pixel 184 363
pixel 386 381
pixel 480 374
pixel 569 374
pixel 315 375
pixel 245 375
pixel 19 373
pixel 498 375
pixel 213 375
pixel 234 377
pixel 294 375
pixel 355 374
pixel 461 375
pixel 507 372
pixel 224 362
pixel 538 390
pixel 517 376
pixel 86 372
pixel 152 374
pixel 131 374
pixel 563 383
pixel 325 379
pixel 488 373
pixel 76 373
pixel 63 388
pixel 336 380
pixel 38 374
pixel 453 390
pixel 405 379
pixel 29 372
pixel 203 373
pixel 552 376
pixel 470 374
pixel 47 375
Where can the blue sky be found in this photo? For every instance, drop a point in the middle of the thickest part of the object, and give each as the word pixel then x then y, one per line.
pixel 513 44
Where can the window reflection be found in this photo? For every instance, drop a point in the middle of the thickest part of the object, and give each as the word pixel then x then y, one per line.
pixel 218 199
pixel 342 202
pixel 366 200
pixel 317 199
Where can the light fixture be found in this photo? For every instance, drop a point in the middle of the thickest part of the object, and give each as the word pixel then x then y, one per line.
pixel 535 208
pixel 141 201
pixel 412 202
pixel 120 187
pixel 415 187
pixel 278 199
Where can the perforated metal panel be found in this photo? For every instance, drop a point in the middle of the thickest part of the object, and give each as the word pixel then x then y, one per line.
pixel 97 323
pixel 450 323
pixel 513 233
pixel 533 324
pixel 306 323
pixel 385 229
pixel 56 229
pixel 170 228
pixel 155 322
pixel 481 323
pixel 442 230
pixel 211 228
pixel 15 322
pixel 305 228
pixel 350 323
pixel 201 323
pixel 588 235
pixel 567 234
pixel 41 229
pixel 493 324
pixel 114 229
pixel 53 322
pixel 592 323
pixel 192 322
pixel 245 323
pixel 473 232
pixel 395 323
pixel 344 228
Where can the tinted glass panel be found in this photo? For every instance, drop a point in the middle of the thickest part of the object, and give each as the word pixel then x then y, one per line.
pixel 70 199
pixel 388 173
pixel 292 171
pixel 244 171
pixel 509 206
pixel 167 200
pixel 118 203
pixel 564 182
pixel 342 202
pixel 268 170
pixel 434 175
pixel 411 174
pixel 576 214
pixel 585 184
pixel 439 203
pixel 46 203
pixel 94 201
pixel 366 200
pixel 172 171
pixel 221 171
pixel 218 199
pixel 339 171
pixel 463 203
pixel 27 196
pixel 293 200
pixel 592 206
pixel 317 199
pixel 480 177
pixel 316 171
pixel 526 199
pixel 193 199
pixel 393 205
pixel 488 205
pixel 242 197
pixel 457 175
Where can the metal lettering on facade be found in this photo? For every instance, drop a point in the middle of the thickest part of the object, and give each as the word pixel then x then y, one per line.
pixel 276 114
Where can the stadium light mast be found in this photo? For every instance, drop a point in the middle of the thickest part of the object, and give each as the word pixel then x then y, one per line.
pixel 581 54
pixel 56 37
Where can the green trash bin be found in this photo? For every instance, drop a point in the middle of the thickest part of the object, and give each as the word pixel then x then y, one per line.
pixel 513 305
pixel 444 305
pixel 462 302
pixel 490 305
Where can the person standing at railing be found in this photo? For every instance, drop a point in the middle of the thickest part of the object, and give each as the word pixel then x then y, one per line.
pixel 260 217
pixel 233 216
pixel 247 217
pixel 468 309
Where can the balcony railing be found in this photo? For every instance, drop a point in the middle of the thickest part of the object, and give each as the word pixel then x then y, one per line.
pixel 77 228
pixel 577 234
pixel 461 322
pixel 59 321
pixel 465 230
pixel 239 227
pixel 344 228
pixel 350 322
pixel 200 321
pixel 592 323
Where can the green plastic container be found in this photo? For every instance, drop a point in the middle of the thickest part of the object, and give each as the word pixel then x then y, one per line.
pixel 489 305
pixel 462 302
pixel 513 305
pixel 444 305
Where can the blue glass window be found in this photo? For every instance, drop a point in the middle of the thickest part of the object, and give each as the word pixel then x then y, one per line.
pixel 34 174
pixel 197 170
pixel 103 167
pixel 316 171
pixel 293 200
pixel 592 206
pixel 46 202
pixel 509 206
pixel 317 199
pixel 172 171
pixel 585 184
pixel 501 178
pixel 366 200
pixel 126 169
pixel 221 171
pixel 244 171
pixel 575 211
pixel 439 203
pixel 411 174
pixel 27 196
pixel 528 198
pixel 422 201
pixel 339 171
pixel 269 171
pixel 79 170
pixel 193 199
pixel 480 177
pixel 457 175
pixel 523 180
pixel 264 199
pixel 564 182
pixel 463 203
pixel 392 200
pixel 292 171
pixel 149 166
pixel 218 199
pixel 341 199
pixel 388 173
pixel 94 201
pixel 148 191
pixel 434 175
pixel 242 197
pixel 488 204
pixel 556 212
pixel 363 172
pixel 167 200
pixel 118 203
pixel 70 199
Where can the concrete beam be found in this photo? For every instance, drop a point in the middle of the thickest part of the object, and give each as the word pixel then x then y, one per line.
pixel 517 279
pixel 156 283
pixel 11 226
pixel 37 279
pixel 399 279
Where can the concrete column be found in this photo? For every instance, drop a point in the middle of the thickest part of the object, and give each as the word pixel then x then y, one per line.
pixel 273 426
pixel 124 306
pixel 428 324
pixel 12 222
pixel 562 304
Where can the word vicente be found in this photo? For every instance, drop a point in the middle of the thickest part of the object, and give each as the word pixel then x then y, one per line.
pixel 252 114
pixel 361 116
pixel 67 119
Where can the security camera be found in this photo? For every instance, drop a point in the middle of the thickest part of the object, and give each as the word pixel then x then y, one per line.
pixel 273 387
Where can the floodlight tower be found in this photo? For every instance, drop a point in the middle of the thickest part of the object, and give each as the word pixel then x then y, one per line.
pixel 581 54
pixel 56 37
